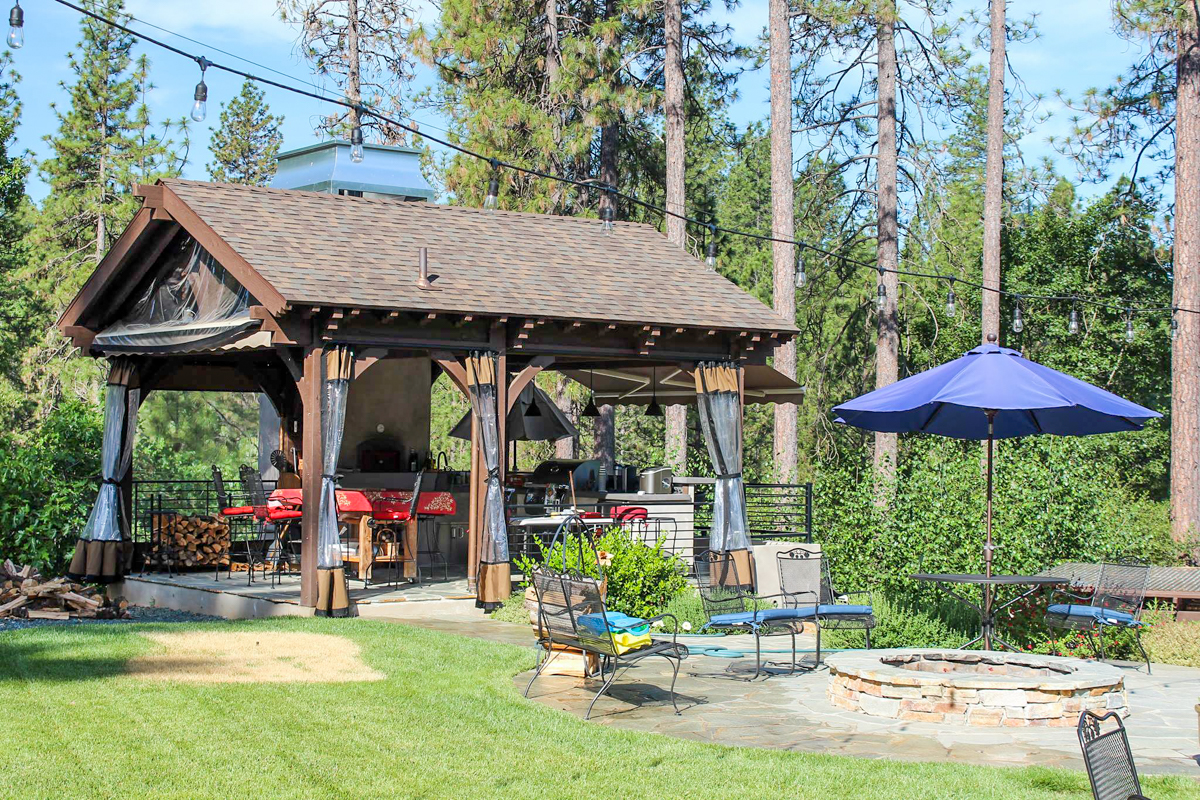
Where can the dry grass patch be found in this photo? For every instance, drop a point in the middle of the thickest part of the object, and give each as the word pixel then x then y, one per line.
pixel 202 656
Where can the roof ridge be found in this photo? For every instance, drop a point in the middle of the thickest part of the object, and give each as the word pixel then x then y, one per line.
pixel 393 202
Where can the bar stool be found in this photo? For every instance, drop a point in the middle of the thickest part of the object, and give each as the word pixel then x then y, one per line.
pixel 389 518
pixel 232 515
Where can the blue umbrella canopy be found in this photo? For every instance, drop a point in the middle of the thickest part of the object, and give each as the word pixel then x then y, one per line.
pixel 1026 398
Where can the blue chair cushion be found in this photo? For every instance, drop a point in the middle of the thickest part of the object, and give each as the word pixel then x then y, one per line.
pixel 780 614
pixel 1103 616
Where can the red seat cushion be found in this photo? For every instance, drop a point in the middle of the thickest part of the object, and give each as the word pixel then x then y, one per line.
pixel 626 513
pixel 282 514
pixel 390 513
pixel 237 511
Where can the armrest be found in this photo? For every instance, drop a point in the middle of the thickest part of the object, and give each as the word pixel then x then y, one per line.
pixel 1064 592
pixel 673 618
pixel 791 597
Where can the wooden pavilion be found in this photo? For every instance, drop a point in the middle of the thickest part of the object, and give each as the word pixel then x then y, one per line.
pixel 298 274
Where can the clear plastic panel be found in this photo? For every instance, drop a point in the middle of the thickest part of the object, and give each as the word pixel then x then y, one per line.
pixel 494 545
pixel 721 422
pixel 192 303
pixel 333 419
pixel 103 524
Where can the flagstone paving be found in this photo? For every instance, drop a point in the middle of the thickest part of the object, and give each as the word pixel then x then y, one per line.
pixel 720 704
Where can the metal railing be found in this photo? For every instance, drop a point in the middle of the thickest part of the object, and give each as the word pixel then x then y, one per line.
pixel 773 510
pixel 187 498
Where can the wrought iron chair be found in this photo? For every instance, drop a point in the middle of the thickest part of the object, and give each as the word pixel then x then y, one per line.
pixel 1116 602
pixel 1109 761
pixel 806 586
pixel 282 520
pixel 234 515
pixel 730 604
pixel 572 613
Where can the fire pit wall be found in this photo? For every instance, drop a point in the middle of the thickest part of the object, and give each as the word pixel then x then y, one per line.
pixel 973 688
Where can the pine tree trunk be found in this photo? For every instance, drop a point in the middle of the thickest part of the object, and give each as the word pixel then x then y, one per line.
pixel 569 447
pixel 1185 371
pixel 993 189
pixel 353 68
pixel 676 415
pixel 604 442
pixel 887 343
pixel 100 222
pixel 783 226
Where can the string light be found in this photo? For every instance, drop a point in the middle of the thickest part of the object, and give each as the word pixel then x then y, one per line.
pixel 1018 322
pixel 801 278
pixel 200 107
pixel 951 301
pixel 1073 323
pixel 608 212
pixel 356 145
pixel 16 40
pixel 1129 333
pixel 880 294
pixel 16 27
pixel 711 258
pixel 1174 325
pixel 493 193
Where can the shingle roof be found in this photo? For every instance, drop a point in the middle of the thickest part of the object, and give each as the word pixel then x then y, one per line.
pixel 319 249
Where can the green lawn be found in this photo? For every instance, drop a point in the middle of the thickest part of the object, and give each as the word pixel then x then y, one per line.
pixel 446 722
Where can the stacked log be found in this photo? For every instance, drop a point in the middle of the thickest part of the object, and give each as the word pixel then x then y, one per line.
pixel 189 541
pixel 26 595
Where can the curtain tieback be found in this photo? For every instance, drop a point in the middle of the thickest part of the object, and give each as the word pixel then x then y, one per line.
pixel 330 475
pixel 729 476
pixel 494 473
pixel 113 481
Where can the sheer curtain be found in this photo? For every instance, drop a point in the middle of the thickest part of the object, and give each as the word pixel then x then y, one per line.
pixel 720 407
pixel 495 583
pixel 99 552
pixel 332 596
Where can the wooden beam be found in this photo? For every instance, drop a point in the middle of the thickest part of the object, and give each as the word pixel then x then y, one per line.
pixel 310 474
pixel 287 331
pixel 453 369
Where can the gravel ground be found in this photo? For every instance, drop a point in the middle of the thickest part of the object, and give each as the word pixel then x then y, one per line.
pixel 137 614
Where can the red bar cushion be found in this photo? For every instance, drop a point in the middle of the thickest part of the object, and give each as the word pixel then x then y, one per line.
pixel 281 514
pixel 237 511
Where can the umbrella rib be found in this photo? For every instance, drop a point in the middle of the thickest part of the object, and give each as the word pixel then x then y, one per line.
pixel 1037 426
pixel 937 410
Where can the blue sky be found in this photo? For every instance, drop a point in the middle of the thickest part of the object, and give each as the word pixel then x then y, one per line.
pixel 1077 49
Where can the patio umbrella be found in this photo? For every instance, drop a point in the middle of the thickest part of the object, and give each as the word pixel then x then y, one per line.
pixel 548 425
pixel 991 393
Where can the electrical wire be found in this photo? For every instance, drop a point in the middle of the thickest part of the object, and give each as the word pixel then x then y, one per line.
pixel 1129 308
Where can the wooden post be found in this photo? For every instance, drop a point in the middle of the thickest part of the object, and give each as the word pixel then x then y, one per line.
pixel 473 516
pixel 310 473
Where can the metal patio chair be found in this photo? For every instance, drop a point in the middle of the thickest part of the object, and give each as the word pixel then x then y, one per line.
pixel 283 522
pixel 806 586
pixel 1116 602
pixel 234 515
pixel 1109 761
pixel 730 604
pixel 572 613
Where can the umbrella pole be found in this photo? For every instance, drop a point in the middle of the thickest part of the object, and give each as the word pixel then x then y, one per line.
pixel 987 549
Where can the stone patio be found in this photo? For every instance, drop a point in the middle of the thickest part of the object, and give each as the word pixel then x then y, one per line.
pixel 794 712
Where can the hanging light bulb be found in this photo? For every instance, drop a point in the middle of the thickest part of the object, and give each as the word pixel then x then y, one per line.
pixel 951 301
pixel 880 298
pixel 654 410
pixel 590 409
pixel 356 145
pixel 16 27
pixel 801 277
pixel 1018 322
pixel 200 107
pixel 493 193
pixel 1129 333
pixel 1174 325
pixel 1073 322
pixel 711 260
pixel 607 214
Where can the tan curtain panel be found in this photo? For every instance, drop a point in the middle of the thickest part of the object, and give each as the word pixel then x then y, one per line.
pixel 100 551
pixel 333 599
pixel 494 583
pixel 721 420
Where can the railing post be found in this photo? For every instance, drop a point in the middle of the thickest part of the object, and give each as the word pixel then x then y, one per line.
pixel 808 503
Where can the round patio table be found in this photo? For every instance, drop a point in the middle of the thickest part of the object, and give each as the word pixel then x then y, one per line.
pixel 987 612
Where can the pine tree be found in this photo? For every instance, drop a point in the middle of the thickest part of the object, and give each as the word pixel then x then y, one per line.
pixel 245 145
pixel 20 309
pixel 362 45
pixel 103 147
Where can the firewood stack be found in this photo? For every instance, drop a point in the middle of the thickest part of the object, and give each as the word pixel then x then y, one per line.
pixel 185 541
pixel 25 594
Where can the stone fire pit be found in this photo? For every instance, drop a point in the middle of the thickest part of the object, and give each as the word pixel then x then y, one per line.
pixel 973 688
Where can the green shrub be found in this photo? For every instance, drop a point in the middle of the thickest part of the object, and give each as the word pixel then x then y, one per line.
pixel 48 482
pixel 513 609
pixel 901 622
pixel 687 608
pixel 642 578
pixel 1172 642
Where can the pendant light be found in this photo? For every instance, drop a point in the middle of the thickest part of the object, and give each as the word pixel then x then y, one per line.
pixel 654 410
pixel 533 410
pixel 590 409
